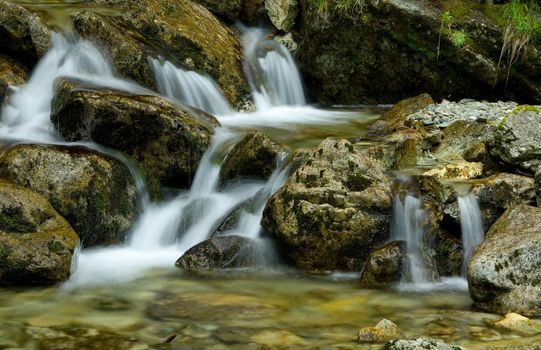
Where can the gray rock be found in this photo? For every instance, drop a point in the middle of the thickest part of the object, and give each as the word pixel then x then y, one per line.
pixel 504 274
pixel 282 13
pixel 385 330
pixel 460 136
pixel 384 265
pixel 419 344
pixel 11 74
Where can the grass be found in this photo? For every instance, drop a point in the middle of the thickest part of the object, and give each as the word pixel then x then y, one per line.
pixel 456 36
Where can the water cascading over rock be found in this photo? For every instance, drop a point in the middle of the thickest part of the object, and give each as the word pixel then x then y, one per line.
pixel 471 225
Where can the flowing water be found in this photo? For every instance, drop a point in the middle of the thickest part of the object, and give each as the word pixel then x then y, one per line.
pixel 471 225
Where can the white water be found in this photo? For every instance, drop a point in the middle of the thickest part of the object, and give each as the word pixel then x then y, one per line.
pixel 471 225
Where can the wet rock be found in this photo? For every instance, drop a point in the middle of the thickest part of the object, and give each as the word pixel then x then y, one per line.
pixel 516 142
pixel 419 344
pixel 23 36
pixel 282 13
pixel 222 252
pixel 11 74
pixel 255 155
pixel 459 171
pixel 385 330
pixel 538 186
pixel 254 12
pixel 229 9
pixel 167 139
pixel 448 252
pixel 68 337
pixel 95 193
pixel 36 243
pixel 460 136
pixel 333 210
pixel 501 191
pixel 504 271
pixel 189 35
pixel 394 119
pixel 518 324
pixel 280 338
pixel 475 153
pixel 127 54
pixel 384 265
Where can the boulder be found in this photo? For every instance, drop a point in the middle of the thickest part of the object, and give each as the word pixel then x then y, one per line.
pixel 282 13
pixel 384 51
pixel 222 252
pixel 127 54
pixel 255 155
pixel 518 324
pixel 384 265
pixel 504 272
pixel 229 9
pixel 188 35
pixel 36 243
pixel 167 139
pixel 538 186
pixel 418 344
pixel 448 253
pixel 254 12
pixel 11 74
pixel 460 136
pixel 385 330
pixel 459 171
pixel 517 139
pixel 501 191
pixel 95 193
pixel 333 210
pixel 23 36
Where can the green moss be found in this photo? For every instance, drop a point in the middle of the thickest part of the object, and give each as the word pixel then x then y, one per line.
pixel 518 109
pixel 55 246
pixel 12 220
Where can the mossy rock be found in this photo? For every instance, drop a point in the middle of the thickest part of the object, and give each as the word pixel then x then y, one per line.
pixel 384 265
pixel 167 139
pixel 36 243
pixel 94 192
pixel 23 35
pixel 229 9
pixel 11 74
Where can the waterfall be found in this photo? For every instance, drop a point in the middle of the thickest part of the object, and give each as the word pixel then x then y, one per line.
pixel 190 87
pixel 471 225
pixel 271 72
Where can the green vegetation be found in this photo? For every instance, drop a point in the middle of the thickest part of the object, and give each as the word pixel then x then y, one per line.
pixel 456 36
pixel 518 109
pixel 342 7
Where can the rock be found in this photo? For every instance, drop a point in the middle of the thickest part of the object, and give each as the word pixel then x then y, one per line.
pixel 23 36
pixel 460 136
pixel 459 171
pixel 418 344
pixel 501 191
pixel 36 243
pixel 518 324
pixel 167 139
pixel 188 35
pixel 255 155
pixel 394 119
pixel 538 186
pixel 222 252
pixel 448 253
pixel 384 51
pixel 254 12
pixel 385 330
pixel 475 153
pixel 516 142
pixel 505 270
pixel 95 193
pixel 11 74
pixel 384 265
pixel 229 9
pixel 333 210
pixel 282 13
pixel 127 54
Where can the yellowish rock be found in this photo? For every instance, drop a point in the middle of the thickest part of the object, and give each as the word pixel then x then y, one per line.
pixel 518 324
pixel 462 171
pixel 384 331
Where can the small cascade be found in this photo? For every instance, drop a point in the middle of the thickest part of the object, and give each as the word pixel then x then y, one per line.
pixel 190 87
pixel 271 71
pixel 471 225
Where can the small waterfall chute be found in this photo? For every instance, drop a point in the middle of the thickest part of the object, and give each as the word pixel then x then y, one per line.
pixel 471 225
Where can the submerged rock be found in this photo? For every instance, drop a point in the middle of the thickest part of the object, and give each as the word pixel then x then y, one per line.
pixel 222 252
pixel 384 265
pixel 11 74
pixel 255 155
pixel 518 324
pixel 517 139
pixel 94 192
pixel 419 344
pixel 332 210
pixel 23 35
pixel 385 330
pixel 504 271
pixel 167 139
pixel 36 243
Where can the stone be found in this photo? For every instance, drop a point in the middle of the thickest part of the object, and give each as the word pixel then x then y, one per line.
pixel 418 344
pixel 94 192
pixel 385 330
pixel 282 13
pixel 255 155
pixel 36 243
pixel 448 253
pixel 222 252
pixel 230 9
pixel 384 265
pixel 254 12
pixel 167 139
pixel 460 136
pixel 517 139
pixel 459 171
pixel 501 191
pixel 538 186
pixel 333 210
pixel 518 324
pixel 504 272
pixel 23 35
pixel 11 74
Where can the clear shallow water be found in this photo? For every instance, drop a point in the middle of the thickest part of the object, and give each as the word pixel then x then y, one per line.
pixel 237 310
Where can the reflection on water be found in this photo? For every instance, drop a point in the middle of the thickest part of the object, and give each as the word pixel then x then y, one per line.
pixel 278 309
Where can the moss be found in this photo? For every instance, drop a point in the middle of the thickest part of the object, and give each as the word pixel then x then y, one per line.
pixel 518 109
pixel 55 246
pixel 12 220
